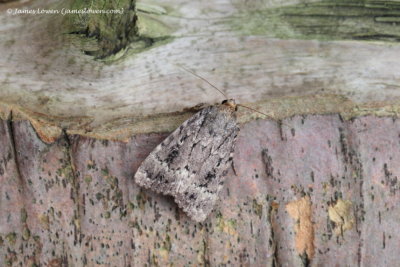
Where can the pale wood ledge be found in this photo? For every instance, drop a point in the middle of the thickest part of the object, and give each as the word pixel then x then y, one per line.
pixel 253 51
pixel 85 99
pixel 50 128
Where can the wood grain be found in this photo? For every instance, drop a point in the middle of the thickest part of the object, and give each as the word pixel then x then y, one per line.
pixel 75 202
pixel 74 130
pixel 46 71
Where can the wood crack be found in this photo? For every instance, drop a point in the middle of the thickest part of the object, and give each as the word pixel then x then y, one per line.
pixel 353 161
pixel 75 189
pixel 11 131
pixel 272 242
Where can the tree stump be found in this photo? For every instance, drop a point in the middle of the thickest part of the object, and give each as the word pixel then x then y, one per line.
pixel 84 98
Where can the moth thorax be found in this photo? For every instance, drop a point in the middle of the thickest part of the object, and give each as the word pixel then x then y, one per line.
pixel 230 103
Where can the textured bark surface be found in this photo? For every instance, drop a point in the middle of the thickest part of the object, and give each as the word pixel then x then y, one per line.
pixel 317 190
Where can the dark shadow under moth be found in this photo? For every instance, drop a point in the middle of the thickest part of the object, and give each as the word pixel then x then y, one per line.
pixel 191 163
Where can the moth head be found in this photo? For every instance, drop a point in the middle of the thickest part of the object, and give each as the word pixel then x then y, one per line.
pixel 230 103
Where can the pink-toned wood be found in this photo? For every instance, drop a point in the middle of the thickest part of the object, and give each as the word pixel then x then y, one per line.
pixel 74 202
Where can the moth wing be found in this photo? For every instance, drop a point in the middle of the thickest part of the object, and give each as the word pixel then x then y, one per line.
pixel 191 163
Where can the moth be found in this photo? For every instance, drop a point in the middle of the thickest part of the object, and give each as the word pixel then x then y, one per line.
pixel 191 163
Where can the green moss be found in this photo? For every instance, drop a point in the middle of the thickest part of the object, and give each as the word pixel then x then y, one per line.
pixel 105 172
pixel 135 224
pixel 151 8
pixel 112 30
pixel 258 208
pixel 141 200
pixel 99 196
pixel 167 243
pixel 11 238
pixel 324 20
pixel 226 226
pixel 23 215
pixel 66 171
pixel 26 234
pixel 130 206
pixel 88 179
pixel 116 32
pixel 118 195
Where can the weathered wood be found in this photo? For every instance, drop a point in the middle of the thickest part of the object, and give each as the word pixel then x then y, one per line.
pixel 224 42
pixel 74 202
pixel 321 188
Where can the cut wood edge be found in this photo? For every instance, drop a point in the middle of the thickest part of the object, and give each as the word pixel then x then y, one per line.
pixel 49 128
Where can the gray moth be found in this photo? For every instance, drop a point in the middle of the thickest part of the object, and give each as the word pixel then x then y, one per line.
pixel 191 163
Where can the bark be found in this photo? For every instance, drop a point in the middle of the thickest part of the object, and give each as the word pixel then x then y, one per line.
pixel 84 99
pixel 74 202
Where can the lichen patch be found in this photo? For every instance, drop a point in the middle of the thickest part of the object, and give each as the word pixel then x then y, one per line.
pixel 341 214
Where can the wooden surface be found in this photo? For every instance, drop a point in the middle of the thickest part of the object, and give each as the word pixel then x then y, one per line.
pixel 74 202
pixel 319 188
pixel 46 71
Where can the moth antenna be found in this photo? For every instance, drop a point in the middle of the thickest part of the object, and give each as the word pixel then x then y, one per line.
pixel 268 116
pixel 226 97
pixel 203 79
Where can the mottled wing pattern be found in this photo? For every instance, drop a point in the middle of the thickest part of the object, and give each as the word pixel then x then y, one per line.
pixel 191 164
